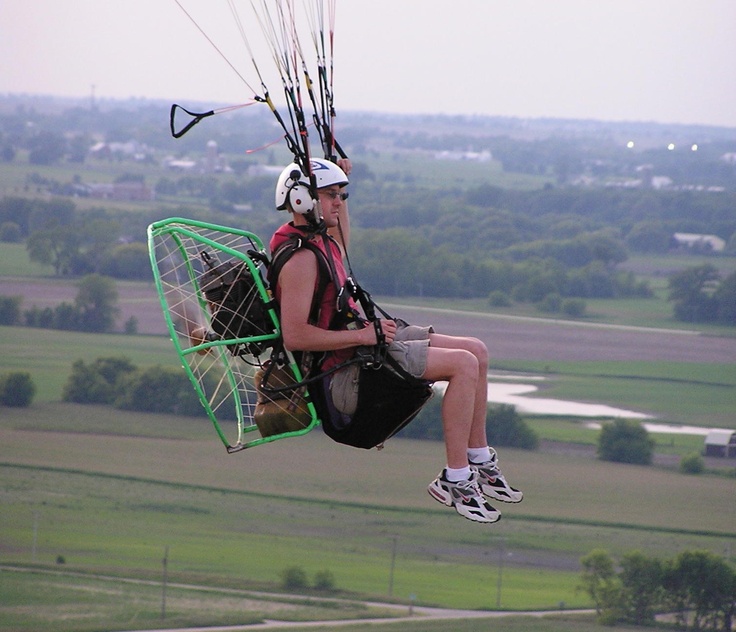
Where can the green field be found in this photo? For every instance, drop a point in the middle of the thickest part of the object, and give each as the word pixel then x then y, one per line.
pixel 108 491
pixel 692 394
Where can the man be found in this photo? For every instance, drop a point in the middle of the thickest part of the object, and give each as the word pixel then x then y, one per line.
pixel 472 467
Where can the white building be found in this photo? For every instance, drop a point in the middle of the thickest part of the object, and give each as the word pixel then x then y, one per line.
pixel 705 242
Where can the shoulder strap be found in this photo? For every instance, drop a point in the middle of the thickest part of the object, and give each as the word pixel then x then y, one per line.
pixel 324 272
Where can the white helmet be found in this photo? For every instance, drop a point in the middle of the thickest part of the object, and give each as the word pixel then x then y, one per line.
pixel 293 187
pixel 327 173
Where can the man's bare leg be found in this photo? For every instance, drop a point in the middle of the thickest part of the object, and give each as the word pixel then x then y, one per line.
pixel 459 368
pixel 477 436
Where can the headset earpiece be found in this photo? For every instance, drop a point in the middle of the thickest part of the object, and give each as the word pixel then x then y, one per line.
pixel 300 199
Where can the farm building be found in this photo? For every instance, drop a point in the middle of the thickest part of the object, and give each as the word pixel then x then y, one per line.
pixel 720 443
pixel 696 241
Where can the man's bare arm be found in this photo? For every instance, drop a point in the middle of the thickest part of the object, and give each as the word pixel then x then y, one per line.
pixel 297 282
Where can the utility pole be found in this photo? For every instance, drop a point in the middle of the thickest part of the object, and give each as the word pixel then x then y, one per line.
pixel 165 563
pixel 501 554
pixel 393 564
pixel 35 535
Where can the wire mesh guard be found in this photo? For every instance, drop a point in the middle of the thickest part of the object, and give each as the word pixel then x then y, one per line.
pixel 210 280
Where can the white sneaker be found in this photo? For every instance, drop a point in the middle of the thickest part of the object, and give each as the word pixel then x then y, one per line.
pixel 493 484
pixel 464 496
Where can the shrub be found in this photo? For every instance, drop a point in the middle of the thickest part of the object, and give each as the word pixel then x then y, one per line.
pixel 499 298
pixel 550 304
pixel 10 232
pixel 97 382
pixel 10 310
pixel 131 326
pixel 600 581
pixel 625 441
pixel 428 423
pixel 158 389
pixel 324 580
pixel 641 587
pixel 507 428
pixel 573 307
pixel 293 578
pixel 692 464
pixel 39 317
pixel 17 389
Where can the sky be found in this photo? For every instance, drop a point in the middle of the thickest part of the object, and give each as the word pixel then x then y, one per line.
pixel 665 61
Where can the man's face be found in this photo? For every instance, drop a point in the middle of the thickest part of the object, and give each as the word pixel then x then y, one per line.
pixel 330 200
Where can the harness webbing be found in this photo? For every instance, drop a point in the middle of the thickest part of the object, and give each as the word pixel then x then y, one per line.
pixel 327 274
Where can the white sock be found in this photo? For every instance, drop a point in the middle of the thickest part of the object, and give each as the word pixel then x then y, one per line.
pixel 479 455
pixel 455 475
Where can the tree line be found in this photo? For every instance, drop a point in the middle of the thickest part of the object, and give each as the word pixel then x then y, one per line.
pixel 556 275
pixel 697 587
pixel 94 309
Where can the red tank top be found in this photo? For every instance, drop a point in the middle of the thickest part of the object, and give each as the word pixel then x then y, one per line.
pixel 328 304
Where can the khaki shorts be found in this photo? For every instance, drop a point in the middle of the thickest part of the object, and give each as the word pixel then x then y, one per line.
pixel 408 349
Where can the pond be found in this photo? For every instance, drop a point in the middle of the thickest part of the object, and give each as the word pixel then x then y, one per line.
pixel 504 389
pixel 516 394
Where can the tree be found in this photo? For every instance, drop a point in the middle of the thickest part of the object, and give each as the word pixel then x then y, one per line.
pixel 16 210
pixel 691 290
pixel 10 310
pixel 692 464
pixel 56 247
pixel 649 236
pixel 704 585
pixel 725 297
pixel 46 148
pixel 127 261
pixel 294 578
pixel 507 428
pixel 98 382
pixel 10 232
pixel 17 389
pixel 158 389
pixel 66 316
pixel 697 585
pixel 625 441
pixel 641 579
pixel 573 307
pixel 324 580
pixel 599 580
pixel 86 386
pixel 96 237
pixel 97 303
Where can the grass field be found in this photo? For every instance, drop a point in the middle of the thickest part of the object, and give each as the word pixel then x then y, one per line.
pixel 689 393
pixel 108 491
pixel 32 600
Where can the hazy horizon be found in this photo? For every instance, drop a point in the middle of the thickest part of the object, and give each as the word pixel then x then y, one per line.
pixel 659 61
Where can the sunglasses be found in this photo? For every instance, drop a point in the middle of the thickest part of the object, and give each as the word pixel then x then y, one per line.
pixel 335 194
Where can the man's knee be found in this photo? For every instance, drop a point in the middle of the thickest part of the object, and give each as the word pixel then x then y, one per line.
pixel 479 349
pixel 451 364
pixel 466 364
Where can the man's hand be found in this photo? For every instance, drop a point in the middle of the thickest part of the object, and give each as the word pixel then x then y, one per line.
pixel 389 332
pixel 345 165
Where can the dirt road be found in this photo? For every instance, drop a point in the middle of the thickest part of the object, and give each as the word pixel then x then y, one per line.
pixel 508 338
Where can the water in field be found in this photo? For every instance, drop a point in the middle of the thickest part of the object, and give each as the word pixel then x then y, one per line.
pixel 516 395
pixel 509 392
pixel 502 389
